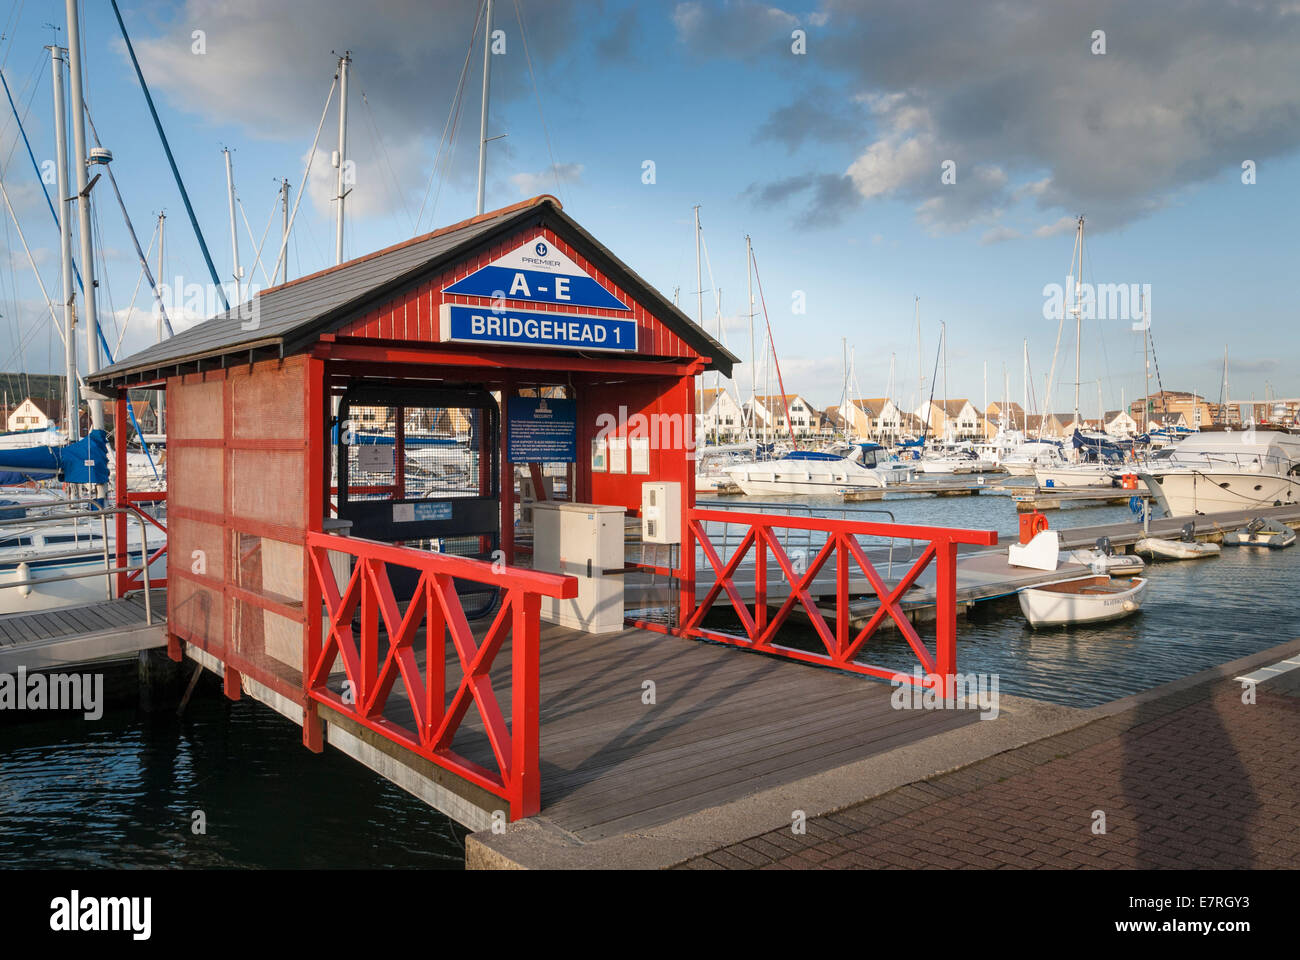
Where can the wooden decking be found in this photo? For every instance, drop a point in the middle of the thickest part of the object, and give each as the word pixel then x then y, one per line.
pixel 71 635
pixel 724 724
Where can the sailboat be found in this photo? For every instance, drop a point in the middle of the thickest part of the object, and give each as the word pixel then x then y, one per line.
pixel 1100 460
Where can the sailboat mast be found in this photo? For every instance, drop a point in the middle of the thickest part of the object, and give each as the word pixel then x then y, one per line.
pixel 1078 317
pixel 1024 385
pixel 483 114
pixel 284 226
pixel 344 61
pixel 1227 418
pixel 943 339
pixel 72 394
pixel 161 399
pixel 234 233
pixel 1146 366
pixel 78 104
pixel 920 374
pixel 753 357
pixel 699 279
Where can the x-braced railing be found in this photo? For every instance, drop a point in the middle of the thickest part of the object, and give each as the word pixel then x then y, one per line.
pixel 809 590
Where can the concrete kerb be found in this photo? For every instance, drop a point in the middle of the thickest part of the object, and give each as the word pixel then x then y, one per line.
pixel 537 843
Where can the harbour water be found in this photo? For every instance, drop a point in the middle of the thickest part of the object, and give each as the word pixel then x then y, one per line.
pixel 123 791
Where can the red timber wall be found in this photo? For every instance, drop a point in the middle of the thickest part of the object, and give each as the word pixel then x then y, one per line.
pixel 415 317
pixel 238 510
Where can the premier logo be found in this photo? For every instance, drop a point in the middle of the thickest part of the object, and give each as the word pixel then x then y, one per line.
pixel 73 914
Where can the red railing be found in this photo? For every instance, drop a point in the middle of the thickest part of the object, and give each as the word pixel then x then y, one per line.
pixel 435 603
pixel 842 644
pixel 134 580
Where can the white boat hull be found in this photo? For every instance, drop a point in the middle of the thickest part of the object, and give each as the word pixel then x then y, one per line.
pixel 1049 608
pixel 1186 493
pixel 1159 547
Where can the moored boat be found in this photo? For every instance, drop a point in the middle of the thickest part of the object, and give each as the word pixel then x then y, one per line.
pixel 1261 532
pixel 1085 600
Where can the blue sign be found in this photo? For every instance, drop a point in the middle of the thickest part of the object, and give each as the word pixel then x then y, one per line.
pixel 541 430
pixel 507 284
pixel 539 272
pixel 532 329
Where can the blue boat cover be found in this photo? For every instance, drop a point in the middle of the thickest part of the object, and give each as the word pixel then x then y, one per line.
pixel 85 461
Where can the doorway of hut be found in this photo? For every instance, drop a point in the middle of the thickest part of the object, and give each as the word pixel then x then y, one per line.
pixel 422 465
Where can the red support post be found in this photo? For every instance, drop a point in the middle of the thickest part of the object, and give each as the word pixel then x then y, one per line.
pixel 121 497
pixel 507 476
pixel 399 454
pixel 686 472
pixel 945 653
pixel 526 697
pixel 316 412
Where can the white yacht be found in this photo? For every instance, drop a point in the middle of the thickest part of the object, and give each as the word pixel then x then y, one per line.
pixel 1032 455
pixel 955 458
pixel 1230 470
pixel 807 472
pixel 47 551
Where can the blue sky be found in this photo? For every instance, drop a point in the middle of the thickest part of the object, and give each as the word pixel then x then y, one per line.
pixel 830 159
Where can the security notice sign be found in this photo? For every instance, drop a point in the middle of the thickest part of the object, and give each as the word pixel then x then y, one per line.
pixel 541 430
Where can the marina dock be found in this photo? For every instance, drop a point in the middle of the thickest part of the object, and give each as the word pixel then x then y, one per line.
pixel 81 636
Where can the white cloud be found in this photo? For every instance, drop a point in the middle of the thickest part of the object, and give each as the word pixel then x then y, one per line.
pixel 544 181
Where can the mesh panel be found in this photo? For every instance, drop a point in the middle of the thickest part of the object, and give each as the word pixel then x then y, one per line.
pixel 196 611
pixel 267 485
pixel 195 478
pixel 268 403
pixel 196 546
pixel 194 409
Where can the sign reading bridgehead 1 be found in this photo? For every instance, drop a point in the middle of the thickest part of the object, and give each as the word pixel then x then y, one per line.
pixel 533 329
pixel 541 430
pixel 539 272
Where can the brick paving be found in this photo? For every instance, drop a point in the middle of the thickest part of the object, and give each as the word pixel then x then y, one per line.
pixel 1196 779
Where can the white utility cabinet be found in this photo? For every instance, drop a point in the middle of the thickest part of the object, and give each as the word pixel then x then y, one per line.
pixel 661 512
pixel 582 540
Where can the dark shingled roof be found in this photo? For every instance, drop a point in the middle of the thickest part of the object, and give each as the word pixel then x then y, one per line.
pixel 292 316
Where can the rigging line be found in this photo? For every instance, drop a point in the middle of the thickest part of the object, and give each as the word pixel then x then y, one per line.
pixel 130 228
pixel 395 201
pixel 96 229
pixel 450 160
pixel 13 311
pixel 35 166
pixel 265 233
pixel 453 111
pixel 171 160
pixel 11 28
pixel 130 309
pixel 31 85
pixel 257 260
pixel 306 173
pixel 31 260
pixel 785 402
pixel 1105 353
pixel 383 148
pixel 523 35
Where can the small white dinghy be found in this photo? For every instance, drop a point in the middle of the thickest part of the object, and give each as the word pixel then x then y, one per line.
pixel 1104 560
pixel 1261 532
pixel 1087 600
pixel 1186 548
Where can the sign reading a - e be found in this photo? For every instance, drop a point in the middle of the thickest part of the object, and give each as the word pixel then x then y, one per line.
pixel 539 272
